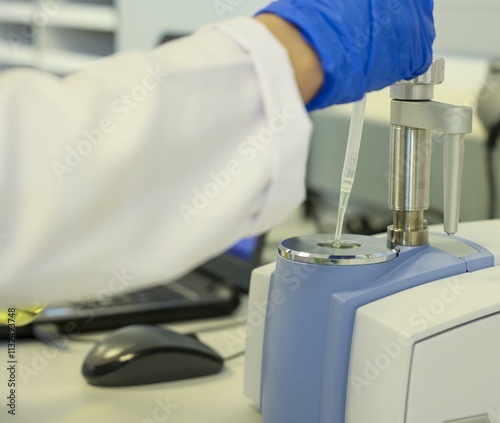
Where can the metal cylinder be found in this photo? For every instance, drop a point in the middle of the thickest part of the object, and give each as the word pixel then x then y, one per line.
pixel 409 228
pixel 409 184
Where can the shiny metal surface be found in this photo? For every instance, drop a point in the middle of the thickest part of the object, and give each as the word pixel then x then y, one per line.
pixel 440 117
pixel 409 168
pixel 409 229
pixel 433 76
pixel 405 91
pixel 454 148
pixel 413 117
pixel 321 249
pixel 409 185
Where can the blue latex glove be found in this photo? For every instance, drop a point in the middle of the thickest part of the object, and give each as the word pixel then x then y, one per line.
pixel 363 45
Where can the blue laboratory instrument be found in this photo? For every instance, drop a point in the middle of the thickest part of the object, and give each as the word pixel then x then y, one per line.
pixel 303 354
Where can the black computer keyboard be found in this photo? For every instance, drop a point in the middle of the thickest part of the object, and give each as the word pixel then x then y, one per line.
pixel 156 294
pixel 195 296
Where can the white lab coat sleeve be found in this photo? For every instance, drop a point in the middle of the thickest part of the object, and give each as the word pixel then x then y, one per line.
pixel 143 166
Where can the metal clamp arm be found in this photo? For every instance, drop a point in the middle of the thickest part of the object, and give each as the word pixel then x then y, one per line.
pixel 439 117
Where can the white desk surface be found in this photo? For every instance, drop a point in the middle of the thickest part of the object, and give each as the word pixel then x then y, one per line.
pixel 51 388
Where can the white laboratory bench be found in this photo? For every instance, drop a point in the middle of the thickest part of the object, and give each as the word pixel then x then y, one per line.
pixel 51 388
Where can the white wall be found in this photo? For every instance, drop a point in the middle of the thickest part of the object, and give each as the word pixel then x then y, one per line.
pixel 159 16
pixel 470 27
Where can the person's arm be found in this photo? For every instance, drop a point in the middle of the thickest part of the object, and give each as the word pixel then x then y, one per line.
pixel 306 65
pixel 362 45
pixel 146 164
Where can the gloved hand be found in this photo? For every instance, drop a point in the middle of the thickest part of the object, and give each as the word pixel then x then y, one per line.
pixel 363 45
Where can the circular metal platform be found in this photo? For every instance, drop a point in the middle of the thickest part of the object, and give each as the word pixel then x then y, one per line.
pixel 322 249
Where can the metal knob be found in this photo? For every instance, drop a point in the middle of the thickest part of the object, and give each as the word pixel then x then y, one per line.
pixel 422 87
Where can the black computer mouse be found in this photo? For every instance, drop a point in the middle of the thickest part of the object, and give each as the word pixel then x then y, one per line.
pixel 144 354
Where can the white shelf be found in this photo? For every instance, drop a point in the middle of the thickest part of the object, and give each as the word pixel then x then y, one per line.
pixel 62 40
pixel 19 56
pixel 88 17
pixel 16 11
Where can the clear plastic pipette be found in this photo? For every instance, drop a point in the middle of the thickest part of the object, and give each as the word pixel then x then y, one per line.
pixel 350 162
